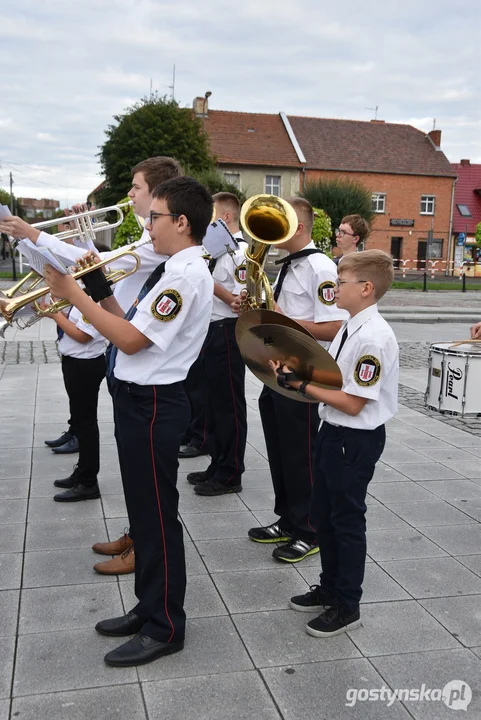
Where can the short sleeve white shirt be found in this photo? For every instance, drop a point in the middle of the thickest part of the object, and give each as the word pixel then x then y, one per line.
pixel 91 349
pixel 369 363
pixel 230 272
pixel 175 317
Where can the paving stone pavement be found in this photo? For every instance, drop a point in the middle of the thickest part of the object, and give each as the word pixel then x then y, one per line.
pixel 247 654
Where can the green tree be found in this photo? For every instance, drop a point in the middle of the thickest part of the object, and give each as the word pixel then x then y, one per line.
pixel 153 126
pixel 322 230
pixel 478 233
pixel 338 198
pixel 4 197
pixel 129 230
pixel 214 181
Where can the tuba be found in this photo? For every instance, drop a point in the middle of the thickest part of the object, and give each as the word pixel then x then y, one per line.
pixel 261 333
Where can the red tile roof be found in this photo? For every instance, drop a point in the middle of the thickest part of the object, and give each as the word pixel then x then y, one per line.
pixel 355 145
pixel 250 139
pixel 467 192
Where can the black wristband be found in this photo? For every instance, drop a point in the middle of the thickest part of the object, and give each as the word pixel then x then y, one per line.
pixel 302 388
pixel 97 285
pixel 284 378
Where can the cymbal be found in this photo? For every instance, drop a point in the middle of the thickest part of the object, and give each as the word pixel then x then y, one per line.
pixel 260 316
pixel 300 351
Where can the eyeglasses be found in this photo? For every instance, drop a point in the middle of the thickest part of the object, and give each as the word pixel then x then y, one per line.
pixel 347 282
pixel 341 233
pixel 153 215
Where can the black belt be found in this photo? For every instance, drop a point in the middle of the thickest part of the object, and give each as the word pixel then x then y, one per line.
pixel 224 321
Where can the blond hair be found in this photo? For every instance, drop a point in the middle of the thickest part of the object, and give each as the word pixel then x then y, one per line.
pixel 304 212
pixel 373 265
pixel 229 203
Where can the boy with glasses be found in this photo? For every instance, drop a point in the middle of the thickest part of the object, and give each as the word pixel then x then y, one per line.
pixel 351 235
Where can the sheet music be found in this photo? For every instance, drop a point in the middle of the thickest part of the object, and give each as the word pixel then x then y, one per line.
pixel 4 212
pixel 39 257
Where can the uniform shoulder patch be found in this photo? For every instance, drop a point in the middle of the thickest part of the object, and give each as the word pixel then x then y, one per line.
pixel 241 273
pixel 84 319
pixel 167 306
pixel 367 371
pixel 325 292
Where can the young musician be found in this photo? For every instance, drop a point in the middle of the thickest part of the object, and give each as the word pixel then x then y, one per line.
pixel 350 441
pixel 154 346
pixel 304 290
pixel 351 235
pixel 224 369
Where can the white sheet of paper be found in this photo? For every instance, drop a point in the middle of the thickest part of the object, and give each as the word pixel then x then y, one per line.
pixel 42 256
pixel 4 212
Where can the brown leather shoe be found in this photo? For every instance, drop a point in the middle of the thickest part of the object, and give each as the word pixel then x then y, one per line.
pixel 117 547
pixel 120 565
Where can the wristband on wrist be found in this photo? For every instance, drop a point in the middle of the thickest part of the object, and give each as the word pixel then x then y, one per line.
pixel 302 388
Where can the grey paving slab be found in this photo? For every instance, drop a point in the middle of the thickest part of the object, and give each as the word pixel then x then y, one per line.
pixel 212 526
pixel 455 459
pixel 395 452
pixel 190 502
pixel 229 555
pixel 16 434
pixel 16 463
pixel 108 703
pixel 255 590
pixel 257 478
pixel 47 568
pixel 116 527
pixel 456 539
pixel 258 498
pixel 45 510
pixel 432 512
pixel 419 440
pixel 64 534
pixel 12 537
pixel 4 709
pixel 13 511
pixel 9 611
pixel 10 571
pixel 113 506
pixel 378 586
pixel 46 464
pixel 434 577
pixel 434 670
pixel 278 638
pixel 399 491
pixel 11 488
pixel 428 470
pixel 233 696
pixel 454 490
pixel 332 682
pixel 7 651
pixel 459 615
pixel 68 608
pixel 385 473
pixel 68 660
pixel 196 659
pixel 473 562
pixel 400 544
pixel 404 625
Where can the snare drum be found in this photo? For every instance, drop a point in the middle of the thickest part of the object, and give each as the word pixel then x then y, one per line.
pixel 454 379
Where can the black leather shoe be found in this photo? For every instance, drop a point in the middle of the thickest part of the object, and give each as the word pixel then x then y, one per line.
pixel 129 624
pixel 64 437
pixel 66 482
pixel 140 650
pixel 71 446
pixel 197 477
pixel 190 451
pixel 78 492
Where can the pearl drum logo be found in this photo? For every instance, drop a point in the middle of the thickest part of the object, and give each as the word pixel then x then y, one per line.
pixel 453 376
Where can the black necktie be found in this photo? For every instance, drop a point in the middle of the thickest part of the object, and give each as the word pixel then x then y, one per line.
pixel 60 332
pixel 286 261
pixel 212 264
pixel 343 340
pixel 154 277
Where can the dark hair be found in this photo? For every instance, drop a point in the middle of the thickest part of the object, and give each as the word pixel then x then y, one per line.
pixel 102 246
pixel 359 226
pixel 304 212
pixel 157 169
pixel 230 202
pixel 186 196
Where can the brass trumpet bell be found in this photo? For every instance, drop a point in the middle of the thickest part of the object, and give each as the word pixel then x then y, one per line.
pixel 268 219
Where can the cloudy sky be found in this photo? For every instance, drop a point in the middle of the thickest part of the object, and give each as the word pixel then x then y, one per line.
pixel 67 67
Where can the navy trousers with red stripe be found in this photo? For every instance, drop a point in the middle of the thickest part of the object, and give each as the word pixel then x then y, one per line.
pixel 194 385
pixel 149 421
pixel 290 429
pixel 226 404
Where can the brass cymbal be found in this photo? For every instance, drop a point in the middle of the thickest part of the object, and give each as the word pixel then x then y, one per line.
pixel 274 341
pixel 260 316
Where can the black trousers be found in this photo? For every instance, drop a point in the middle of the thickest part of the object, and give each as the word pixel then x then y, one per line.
pixel 194 385
pixel 226 404
pixel 344 464
pixel 290 429
pixel 149 421
pixel 82 379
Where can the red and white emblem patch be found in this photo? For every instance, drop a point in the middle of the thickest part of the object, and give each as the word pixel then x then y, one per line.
pixel 167 306
pixel 367 371
pixel 325 292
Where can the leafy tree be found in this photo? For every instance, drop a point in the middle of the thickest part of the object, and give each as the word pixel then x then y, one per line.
pixel 153 126
pixel 4 197
pixel 478 233
pixel 322 230
pixel 338 198
pixel 129 230
pixel 214 181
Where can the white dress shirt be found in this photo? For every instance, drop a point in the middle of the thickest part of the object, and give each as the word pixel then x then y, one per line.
pixel 91 349
pixel 230 272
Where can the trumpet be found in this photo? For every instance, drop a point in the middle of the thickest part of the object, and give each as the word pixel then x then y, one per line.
pixel 10 309
pixel 33 278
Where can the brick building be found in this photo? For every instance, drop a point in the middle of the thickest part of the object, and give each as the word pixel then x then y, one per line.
pixel 39 209
pixel 411 180
pixel 466 213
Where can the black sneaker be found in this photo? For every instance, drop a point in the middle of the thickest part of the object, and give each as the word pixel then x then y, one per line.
pixel 315 600
pixel 197 477
pixel 333 621
pixel 295 551
pixel 214 487
pixel 269 534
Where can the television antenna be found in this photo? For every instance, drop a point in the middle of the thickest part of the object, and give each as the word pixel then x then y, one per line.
pixel 375 111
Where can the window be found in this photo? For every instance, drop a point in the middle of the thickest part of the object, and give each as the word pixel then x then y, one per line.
pixel 232 178
pixel 47 213
pixel 30 212
pixel 435 249
pixel 396 250
pixel 427 204
pixel 379 202
pixel 464 210
pixel 273 185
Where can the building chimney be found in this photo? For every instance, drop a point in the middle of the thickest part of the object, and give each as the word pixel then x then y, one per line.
pixel 435 137
pixel 465 161
pixel 201 106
